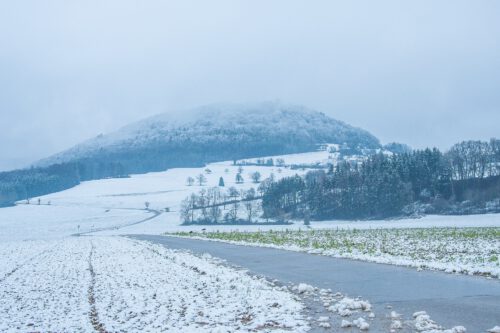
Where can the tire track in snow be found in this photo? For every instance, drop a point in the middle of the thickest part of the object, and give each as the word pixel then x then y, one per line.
pixel 183 303
pixel 15 269
pixel 156 252
pixel 93 316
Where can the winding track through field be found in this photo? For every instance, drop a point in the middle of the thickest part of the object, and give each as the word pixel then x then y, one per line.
pixel 93 314
pixel 156 213
pixel 451 300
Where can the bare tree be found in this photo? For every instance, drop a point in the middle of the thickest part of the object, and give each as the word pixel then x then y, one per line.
pixel 251 209
pixel 472 159
pixel 272 178
pixel 190 181
pixel 185 210
pixel 214 213
pixel 215 195
pixel 232 215
pixel 146 204
pixel 265 184
pixel 239 178
pixel 495 157
pixel 250 204
pixel 201 179
pixel 255 176
pixel 202 204
pixel 188 207
pixel 233 193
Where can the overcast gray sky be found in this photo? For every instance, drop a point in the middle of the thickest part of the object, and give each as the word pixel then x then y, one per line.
pixel 423 72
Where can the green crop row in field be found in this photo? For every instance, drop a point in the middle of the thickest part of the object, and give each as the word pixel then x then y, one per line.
pixel 468 250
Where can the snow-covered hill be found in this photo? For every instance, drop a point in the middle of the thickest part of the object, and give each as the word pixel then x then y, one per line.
pixel 215 132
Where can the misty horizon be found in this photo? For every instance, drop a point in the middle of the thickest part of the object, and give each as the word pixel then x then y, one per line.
pixel 28 161
pixel 424 74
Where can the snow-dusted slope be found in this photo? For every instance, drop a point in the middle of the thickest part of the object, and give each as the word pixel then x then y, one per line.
pixel 219 129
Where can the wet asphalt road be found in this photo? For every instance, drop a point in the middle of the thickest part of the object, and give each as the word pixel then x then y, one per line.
pixel 449 299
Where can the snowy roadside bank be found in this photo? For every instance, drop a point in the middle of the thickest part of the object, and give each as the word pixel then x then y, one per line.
pixel 473 251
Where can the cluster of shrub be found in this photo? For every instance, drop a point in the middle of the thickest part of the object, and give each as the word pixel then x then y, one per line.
pixel 465 179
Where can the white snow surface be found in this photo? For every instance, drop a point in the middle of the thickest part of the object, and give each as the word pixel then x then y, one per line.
pixel 35 222
pixel 136 286
pixel 423 323
pixel 361 324
pixel 45 276
pixel 304 288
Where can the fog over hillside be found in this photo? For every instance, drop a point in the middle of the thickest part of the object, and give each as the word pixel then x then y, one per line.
pixel 216 131
pixel 424 73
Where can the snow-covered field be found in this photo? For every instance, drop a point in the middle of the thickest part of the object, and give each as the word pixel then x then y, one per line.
pixel 79 284
pixel 428 221
pixel 28 222
pixel 160 189
pixel 51 281
pixel 465 250
pixel 320 156
pixel 117 202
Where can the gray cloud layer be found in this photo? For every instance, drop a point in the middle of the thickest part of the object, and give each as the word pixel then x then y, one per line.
pixel 423 73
